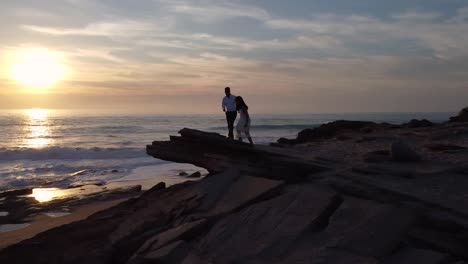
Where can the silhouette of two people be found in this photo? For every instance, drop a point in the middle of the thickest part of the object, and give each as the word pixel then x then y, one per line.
pixel 232 105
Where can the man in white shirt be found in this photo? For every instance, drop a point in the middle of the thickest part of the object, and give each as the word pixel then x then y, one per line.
pixel 229 107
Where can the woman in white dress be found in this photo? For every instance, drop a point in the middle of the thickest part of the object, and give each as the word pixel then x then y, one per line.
pixel 243 125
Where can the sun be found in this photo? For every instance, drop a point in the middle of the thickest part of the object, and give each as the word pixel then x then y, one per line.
pixel 37 68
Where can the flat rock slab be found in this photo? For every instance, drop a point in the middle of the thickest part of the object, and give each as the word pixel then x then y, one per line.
pixel 269 227
pixel 401 152
pixel 444 147
pixel 164 238
pixel 408 170
pixel 217 154
pixel 454 244
pixel 319 256
pixel 378 231
pixel 336 256
pixel 172 253
pixel 412 255
pixel 242 191
pixel 440 190
pixel 191 258
pixel 171 202
pixel 359 231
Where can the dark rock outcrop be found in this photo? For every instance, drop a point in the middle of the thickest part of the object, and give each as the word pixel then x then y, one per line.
pixel 272 226
pixel 248 210
pixel 16 192
pixel 401 152
pixel 216 154
pixel 329 130
pixel 444 147
pixel 377 156
pixel 415 123
pixel 21 206
pixel 135 226
pixel 196 174
pixel 408 255
pixel 461 117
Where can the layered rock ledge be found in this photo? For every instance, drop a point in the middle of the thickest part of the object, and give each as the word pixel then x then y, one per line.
pixel 386 195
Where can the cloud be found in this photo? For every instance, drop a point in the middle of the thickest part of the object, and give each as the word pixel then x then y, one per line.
pixel 97 53
pixel 447 38
pixel 123 28
pixel 329 24
pixel 207 42
pixel 176 47
pixel 34 13
pixel 414 16
pixel 212 11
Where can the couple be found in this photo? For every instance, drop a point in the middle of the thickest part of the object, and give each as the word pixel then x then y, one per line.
pixel 231 105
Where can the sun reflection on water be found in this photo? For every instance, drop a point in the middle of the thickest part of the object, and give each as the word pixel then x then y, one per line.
pixel 37 129
pixel 43 195
pixel 37 114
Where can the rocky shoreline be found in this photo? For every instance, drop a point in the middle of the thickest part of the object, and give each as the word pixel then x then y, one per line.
pixel 346 192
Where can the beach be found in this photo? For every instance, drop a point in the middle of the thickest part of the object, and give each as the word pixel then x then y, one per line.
pixel 27 212
pixel 342 192
pixel 42 223
pixel 58 148
pixel 234 132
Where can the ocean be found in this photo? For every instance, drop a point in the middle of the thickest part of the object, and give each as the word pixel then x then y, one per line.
pixel 57 148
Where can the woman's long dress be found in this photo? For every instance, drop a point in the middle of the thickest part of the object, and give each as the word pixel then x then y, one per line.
pixel 243 125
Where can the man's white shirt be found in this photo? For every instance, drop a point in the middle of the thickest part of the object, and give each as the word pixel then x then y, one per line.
pixel 229 103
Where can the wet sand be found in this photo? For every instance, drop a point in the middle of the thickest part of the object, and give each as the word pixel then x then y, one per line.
pixel 43 222
pixel 63 206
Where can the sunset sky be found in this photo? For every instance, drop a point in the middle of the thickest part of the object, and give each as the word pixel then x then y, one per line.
pixel 171 56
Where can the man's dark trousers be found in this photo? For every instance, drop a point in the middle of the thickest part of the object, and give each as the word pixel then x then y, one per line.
pixel 231 117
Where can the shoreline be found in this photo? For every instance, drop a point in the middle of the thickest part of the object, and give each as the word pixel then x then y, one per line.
pixel 67 205
pixel 41 223
pixel 344 192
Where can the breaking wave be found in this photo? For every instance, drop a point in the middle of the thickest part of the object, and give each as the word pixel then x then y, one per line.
pixel 56 152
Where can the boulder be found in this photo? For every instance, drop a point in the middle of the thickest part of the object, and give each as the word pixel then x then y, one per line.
pixel 386 125
pixel 84 183
pixel 461 117
pixel 286 141
pixel 401 152
pixel 367 130
pixel 415 123
pixel 330 130
pixel 196 174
